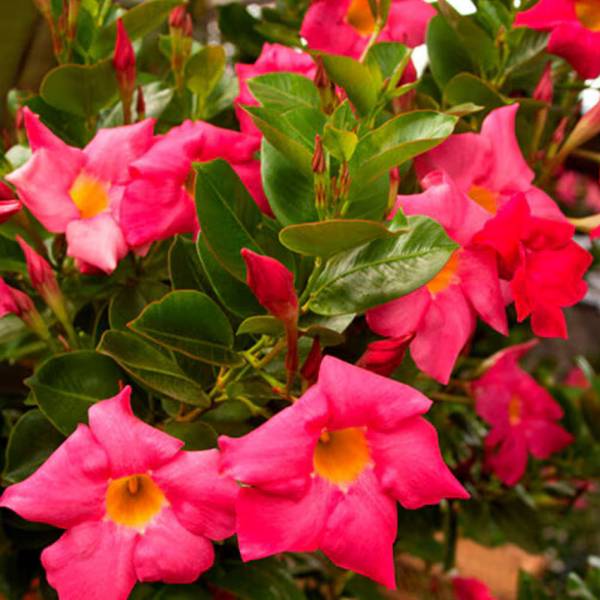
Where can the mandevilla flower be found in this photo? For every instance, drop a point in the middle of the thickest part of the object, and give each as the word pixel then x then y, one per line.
pixel 79 192
pixel 488 166
pixel 442 313
pixel 522 414
pixel 136 507
pixel 345 26
pixel 545 266
pixel 273 58
pixel 575 27
pixel 326 472
pixel 469 588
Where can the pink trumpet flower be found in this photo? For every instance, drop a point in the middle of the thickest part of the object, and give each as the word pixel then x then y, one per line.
pixel 575 31
pixel 326 472
pixel 350 24
pixel 135 506
pixel 523 416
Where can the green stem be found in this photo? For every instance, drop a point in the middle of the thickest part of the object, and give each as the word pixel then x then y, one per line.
pixel 442 397
pixel 450 535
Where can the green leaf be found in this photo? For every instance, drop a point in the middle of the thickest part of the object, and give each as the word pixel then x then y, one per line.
pixel 185 269
pixel 11 256
pixel 467 88
pixel 31 441
pixel 138 21
pixel 359 81
pixel 129 302
pixel 154 369
pixel 397 141
pixel 66 385
pixel 284 91
pixel 259 580
pixel 82 90
pixel 230 219
pixel 519 523
pixel 289 191
pixel 382 270
pixel 191 323
pixel 390 60
pixel 327 238
pixel 341 144
pixel 204 70
pixel 233 294
pixel 447 55
pixel 196 435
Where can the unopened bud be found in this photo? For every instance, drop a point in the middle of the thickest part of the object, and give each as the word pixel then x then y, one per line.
pixel 326 87
pixel 319 164
pixel 177 17
pixel 385 356
pixel 9 205
pixel 310 368
pixel 559 133
pixel 124 59
pixel 544 91
pixel 39 270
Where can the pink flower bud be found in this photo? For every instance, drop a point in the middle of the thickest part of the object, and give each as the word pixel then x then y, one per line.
pixel 9 205
pixel 13 301
pixel 272 284
pixel 124 59
pixel 177 17
pixel 40 272
pixel 310 368
pixel 385 356
pixel 544 91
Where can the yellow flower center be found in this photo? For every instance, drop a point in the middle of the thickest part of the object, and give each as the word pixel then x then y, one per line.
pixel 588 13
pixel 342 455
pixel 360 17
pixel 515 407
pixel 89 195
pixel 446 276
pixel 133 500
pixel 485 198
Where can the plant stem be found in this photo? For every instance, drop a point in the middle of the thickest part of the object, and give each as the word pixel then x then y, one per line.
pixel 450 535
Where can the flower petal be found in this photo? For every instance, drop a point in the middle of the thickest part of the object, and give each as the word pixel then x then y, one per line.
pixel 269 523
pixel 68 488
pixel 546 14
pixel 278 456
pixel 97 241
pixel 545 437
pixel 359 398
pixel 201 497
pixel 112 150
pixel 40 136
pixel 43 183
pixel 409 464
pixel 579 46
pixel 361 530
pixel 509 459
pixel 400 317
pixel 93 561
pixel 168 552
pixel 132 446
pixel 407 22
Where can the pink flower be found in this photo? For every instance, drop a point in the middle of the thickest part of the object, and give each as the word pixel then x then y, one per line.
pixel 159 203
pixel 385 356
pixel 326 472
pixel 575 31
pixel 541 260
pixel 442 313
pixel 489 166
pixel 135 506
pixel 470 589
pixel 9 205
pixel 273 58
pixel 345 26
pixel 523 416
pixel 13 301
pixel 79 192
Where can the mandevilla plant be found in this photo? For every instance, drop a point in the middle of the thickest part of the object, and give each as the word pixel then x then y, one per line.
pixel 275 313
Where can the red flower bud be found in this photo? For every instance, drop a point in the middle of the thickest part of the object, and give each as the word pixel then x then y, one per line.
pixel 13 301
pixel 9 205
pixel 124 59
pixel 40 272
pixel 272 284
pixel 310 368
pixel 385 356
pixel 318 160
pixel 544 90
pixel 177 17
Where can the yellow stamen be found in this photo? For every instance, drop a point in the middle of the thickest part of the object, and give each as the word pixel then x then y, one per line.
pixel 89 195
pixel 446 276
pixel 133 500
pixel 515 407
pixel 360 17
pixel 485 198
pixel 341 455
pixel 588 13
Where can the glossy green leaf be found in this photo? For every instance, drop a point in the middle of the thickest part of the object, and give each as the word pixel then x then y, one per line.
pixel 397 141
pixel 32 439
pixel 191 323
pixel 66 385
pixel 382 270
pixel 129 302
pixel 465 88
pixel 204 70
pixel 139 20
pixel 284 90
pixel 234 294
pixel 196 435
pixel 327 238
pixel 152 368
pixel 11 256
pixel 224 205
pixel 81 90
pixel 359 81
pixel 390 59
pixel 185 269
pixel 341 144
